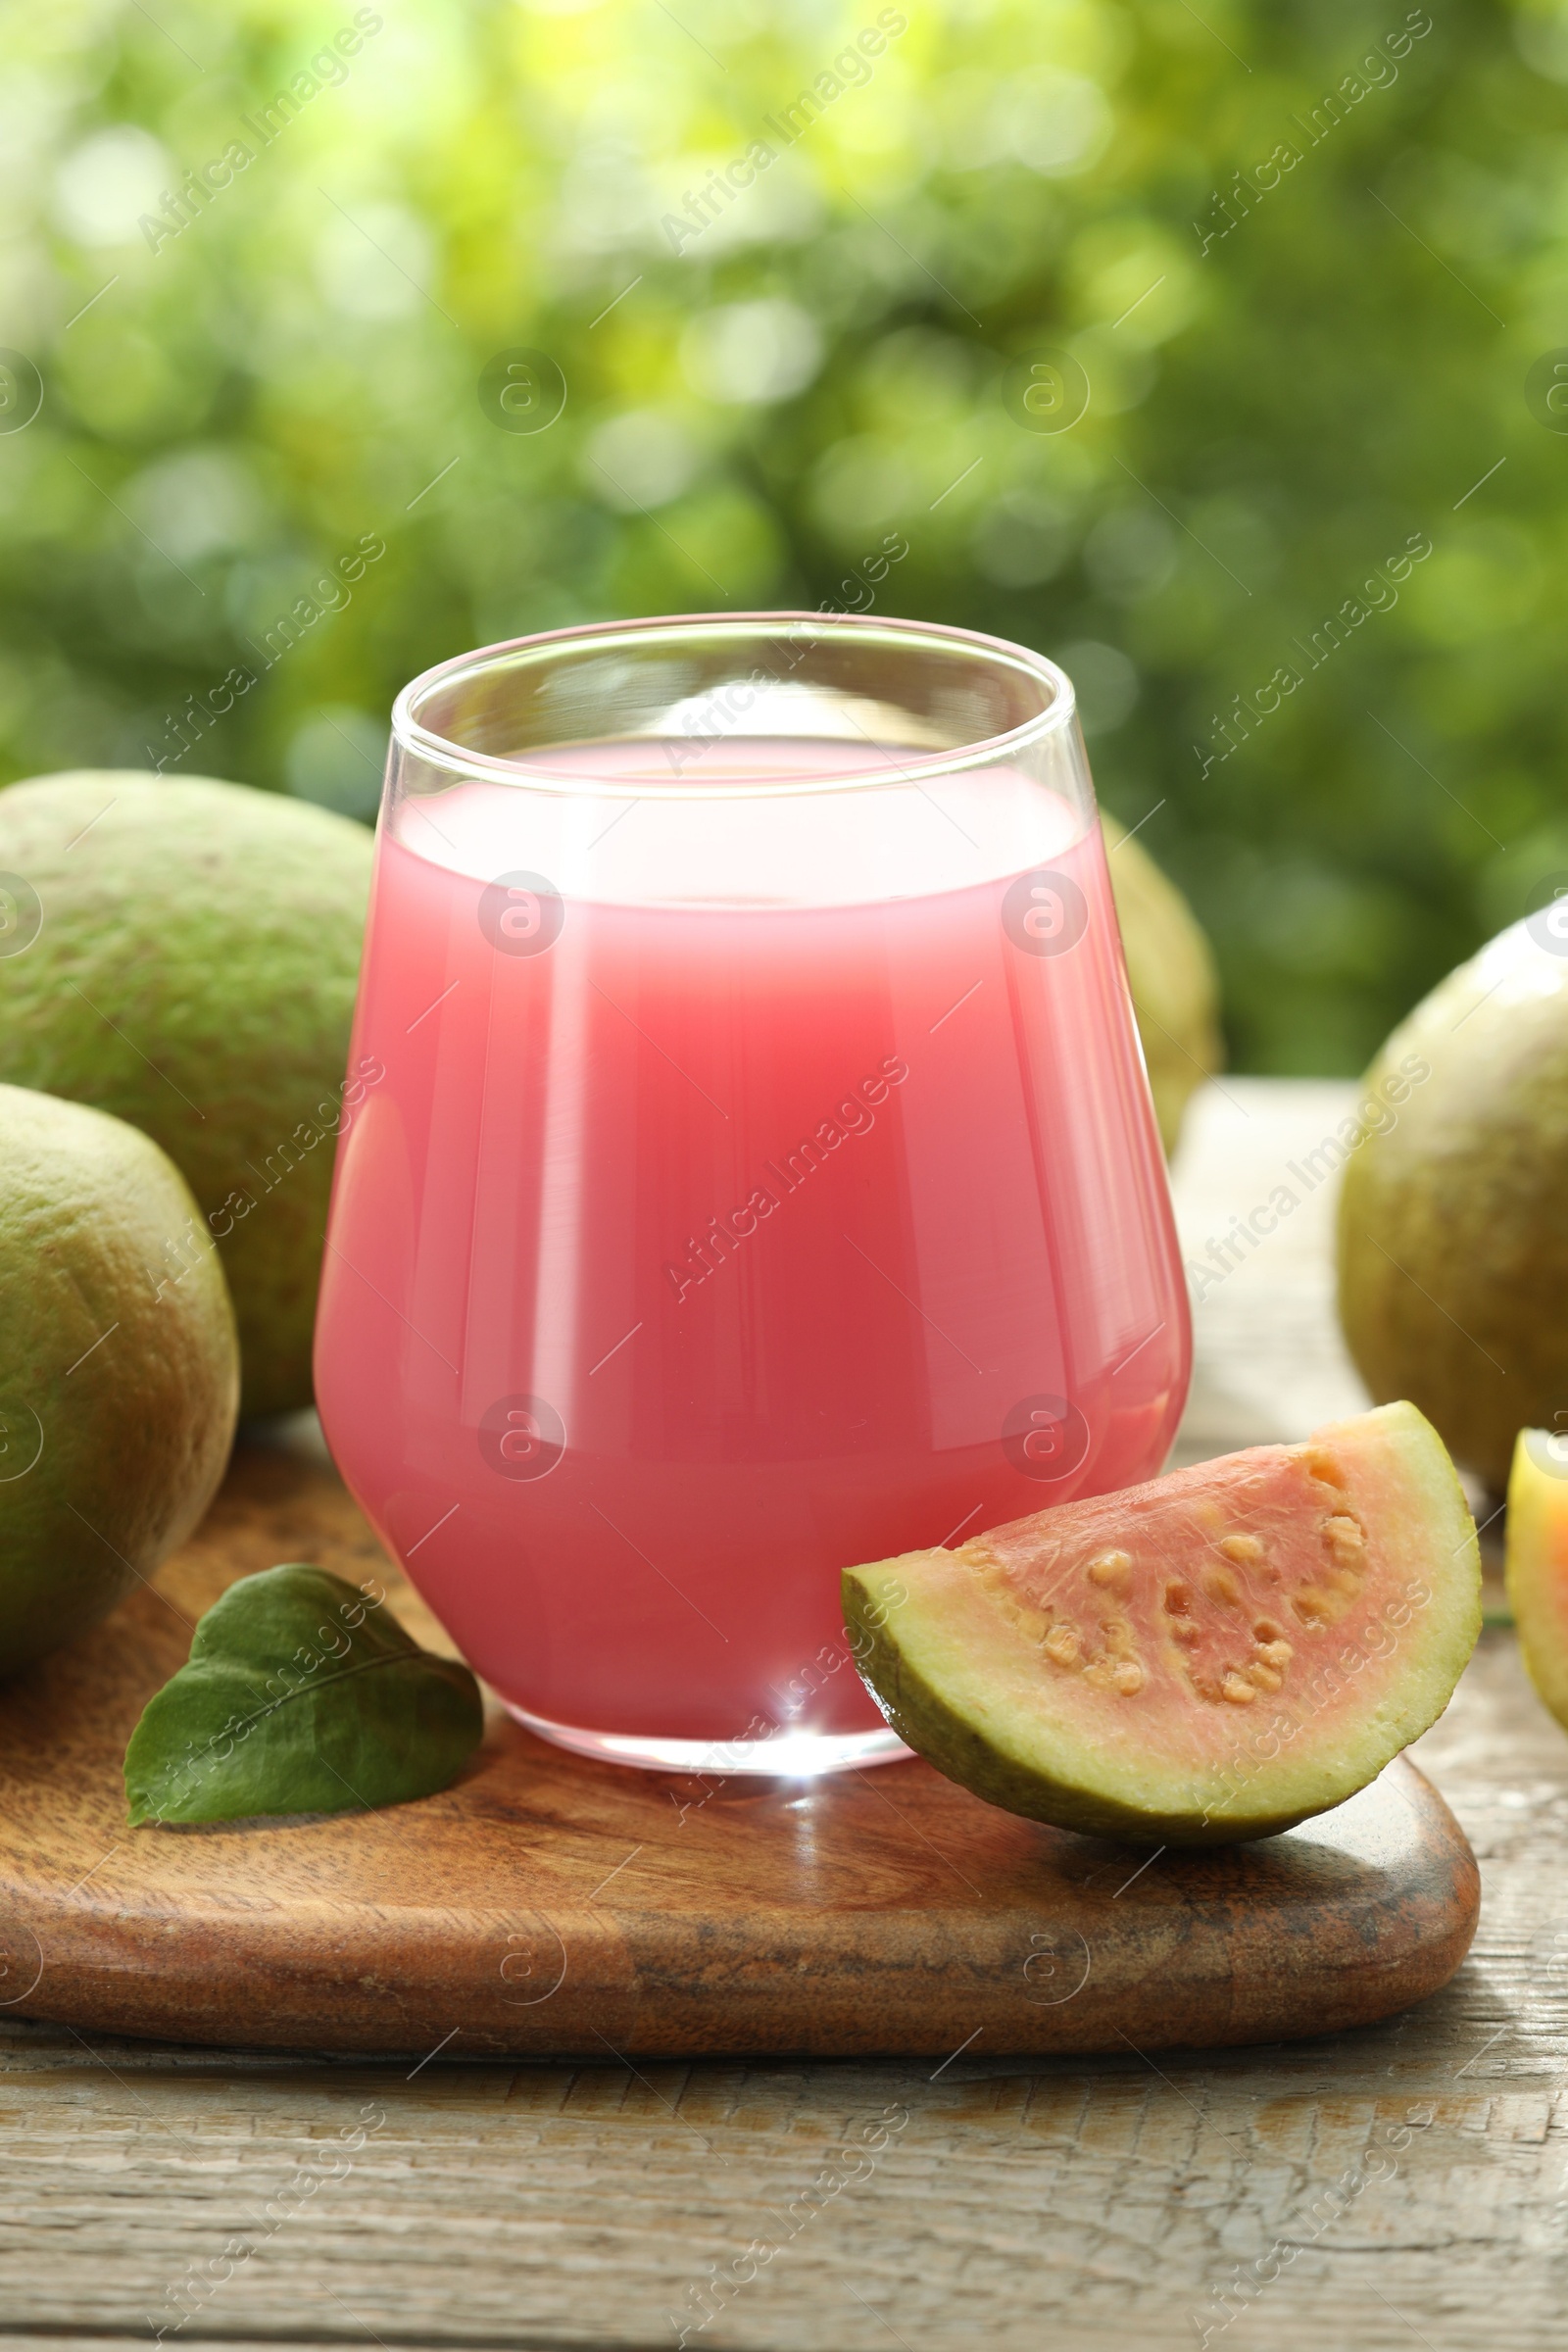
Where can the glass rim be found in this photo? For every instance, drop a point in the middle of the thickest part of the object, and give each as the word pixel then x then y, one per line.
pixel 440 752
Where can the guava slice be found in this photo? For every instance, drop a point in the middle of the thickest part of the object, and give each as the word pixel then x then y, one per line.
pixel 1212 1656
pixel 1535 1561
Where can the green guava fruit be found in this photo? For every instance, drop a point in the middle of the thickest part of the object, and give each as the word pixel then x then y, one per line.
pixel 1535 1561
pixel 185 954
pixel 1452 1245
pixel 1212 1656
pixel 119 1367
pixel 1170 970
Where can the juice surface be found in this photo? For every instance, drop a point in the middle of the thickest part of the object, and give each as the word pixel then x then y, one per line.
pixel 697 1250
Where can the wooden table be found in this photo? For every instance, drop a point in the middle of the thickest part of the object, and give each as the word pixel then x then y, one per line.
pixel 1404 2185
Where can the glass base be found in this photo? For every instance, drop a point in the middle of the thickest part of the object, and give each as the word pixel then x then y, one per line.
pixel 787 1756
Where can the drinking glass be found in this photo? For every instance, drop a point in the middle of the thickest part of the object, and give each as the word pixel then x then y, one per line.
pixel 749 1167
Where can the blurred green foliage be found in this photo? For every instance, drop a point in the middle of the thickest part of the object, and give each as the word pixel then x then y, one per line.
pixel 230 411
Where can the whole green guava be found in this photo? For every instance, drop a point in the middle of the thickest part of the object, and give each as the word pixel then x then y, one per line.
pixel 185 954
pixel 1452 1245
pixel 119 1367
pixel 1170 971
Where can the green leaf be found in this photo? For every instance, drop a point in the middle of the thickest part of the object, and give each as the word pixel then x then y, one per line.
pixel 300 1695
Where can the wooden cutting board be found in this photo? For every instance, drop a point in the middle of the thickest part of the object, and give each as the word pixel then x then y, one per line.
pixel 548 1906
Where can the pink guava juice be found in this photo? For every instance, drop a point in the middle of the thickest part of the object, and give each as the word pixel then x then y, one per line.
pixel 690 1250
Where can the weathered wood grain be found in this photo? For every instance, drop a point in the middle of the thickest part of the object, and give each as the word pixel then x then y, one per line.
pixel 1024 2202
